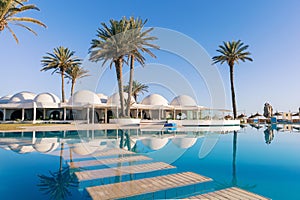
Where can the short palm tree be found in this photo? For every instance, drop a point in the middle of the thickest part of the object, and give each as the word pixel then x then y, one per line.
pixel 60 61
pixel 74 73
pixel 112 45
pixel 137 88
pixel 139 39
pixel 231 53
pixel 9 9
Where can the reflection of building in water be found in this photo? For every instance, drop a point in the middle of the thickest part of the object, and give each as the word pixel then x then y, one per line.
pixel 269 135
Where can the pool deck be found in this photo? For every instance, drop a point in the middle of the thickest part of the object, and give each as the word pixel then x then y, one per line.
pixel 232 193
pixel 151 187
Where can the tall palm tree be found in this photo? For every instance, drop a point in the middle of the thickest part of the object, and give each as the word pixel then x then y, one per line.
pixel 74 73
pixel 231 53
pixel 140 43
pixel 58 184
pixel 112 46
pixel 60 61
pixel 8 11
pixel 137 88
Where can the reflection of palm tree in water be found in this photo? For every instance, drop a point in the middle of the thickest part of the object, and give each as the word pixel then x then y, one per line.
pixel 234 182
pixel 269 135
pixel 57 184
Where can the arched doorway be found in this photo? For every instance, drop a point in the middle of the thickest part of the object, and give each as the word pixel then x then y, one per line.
pixel 17 115
pixel 1 115
pixel 110 114
pixel 55 115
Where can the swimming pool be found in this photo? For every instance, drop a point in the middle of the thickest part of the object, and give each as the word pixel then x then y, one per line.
pixel 264 162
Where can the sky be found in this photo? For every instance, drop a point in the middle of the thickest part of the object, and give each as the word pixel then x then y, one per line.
pixel 271 28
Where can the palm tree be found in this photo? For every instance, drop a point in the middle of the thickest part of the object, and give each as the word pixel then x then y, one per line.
pixel 112 46
pixel 60 61
pixel 139 40
pixel 8 11
pixel 74 73
pixel 137 88
pixel 232 52
pixel 57 184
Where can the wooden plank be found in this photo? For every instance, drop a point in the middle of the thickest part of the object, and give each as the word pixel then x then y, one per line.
pixel 119 171
pixel 144 186
pixel 230 193
pixel 112 152
pixel 87 163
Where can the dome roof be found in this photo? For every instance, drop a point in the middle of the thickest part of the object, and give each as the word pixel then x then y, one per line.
pixel 155 143
pixel 22 97
pixel 115 99
pixel 103 98
pixel 155 99
pixel 183 100
pixel 46 98
pixel 21 149
pixel 5 99
pixel 84 148
pixel 46 145
pixel 84 97
pixel 184 143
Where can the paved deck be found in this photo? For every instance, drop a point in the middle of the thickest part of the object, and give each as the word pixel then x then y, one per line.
pixel 88 163
pixel 230 193
pixel 143 186
pixel 119 171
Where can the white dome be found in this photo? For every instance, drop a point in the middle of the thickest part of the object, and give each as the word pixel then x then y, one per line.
pixel 22 97
pixel 21 149
pixel 155 100
pixel 155 143
pixel 103 98
pixel 115 99
pixel 84 97
pixel 5 99
pixel 184 143
pixel 84 148
pixel 46 145
pixel 183 100
pixel 46 98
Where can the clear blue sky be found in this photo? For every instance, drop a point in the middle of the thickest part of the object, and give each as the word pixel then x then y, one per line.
pixel 270 27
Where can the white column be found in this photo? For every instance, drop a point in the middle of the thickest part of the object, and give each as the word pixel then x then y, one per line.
pixel 117 113
pixel 4 114
pixel 65 114
pixel 93 115
pixel 137 113
pixel 105 115
pixel 23 114
pixel 159 114
pixel 34 113
pixel 44 113
pixel 174 113
pixel 88 115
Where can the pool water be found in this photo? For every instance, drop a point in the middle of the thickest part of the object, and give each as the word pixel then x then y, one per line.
pixel 262 161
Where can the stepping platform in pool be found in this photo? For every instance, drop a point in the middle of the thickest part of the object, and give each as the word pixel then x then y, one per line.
pixel 88 163
pixel 119 171
pixel 103 153
pixel 232 193
pixel 144 186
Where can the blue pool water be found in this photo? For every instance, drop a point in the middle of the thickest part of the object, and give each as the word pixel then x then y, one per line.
pixel 262 163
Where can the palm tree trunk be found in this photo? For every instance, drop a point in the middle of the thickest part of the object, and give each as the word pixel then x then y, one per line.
pixel 119 66
pixel 234 179
pixel 232 90
pixel 63 86
pixel 61 156
pixel 130 85
pixel 72 87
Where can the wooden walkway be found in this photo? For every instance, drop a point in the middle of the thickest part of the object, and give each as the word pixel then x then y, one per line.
pixel 147 185
pixel 112 152
pixel 87 163
pixel 230 193
pixel 119 171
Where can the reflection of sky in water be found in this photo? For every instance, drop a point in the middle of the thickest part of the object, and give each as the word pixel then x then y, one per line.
pixel 272 170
